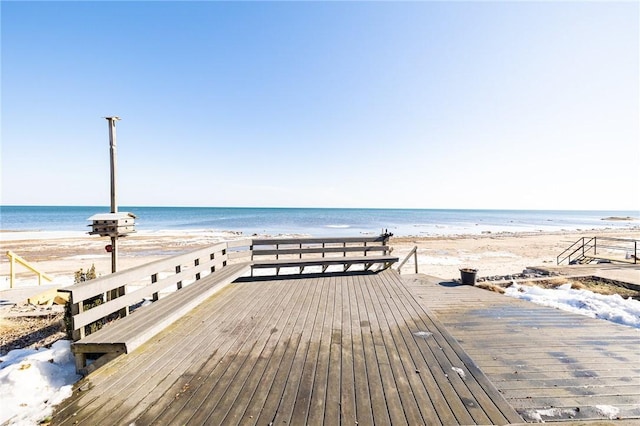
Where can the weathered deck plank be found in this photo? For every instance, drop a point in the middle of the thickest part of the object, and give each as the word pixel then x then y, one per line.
pixel 217 374
pixel 313 350
pixel 373 379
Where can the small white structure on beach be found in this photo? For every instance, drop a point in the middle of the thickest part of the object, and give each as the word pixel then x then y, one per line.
pixel 112 224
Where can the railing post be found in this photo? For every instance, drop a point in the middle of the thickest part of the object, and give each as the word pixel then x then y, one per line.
pixel 179 283
pixel 595 246
pixel 13 269
pixel 635 252
pixel 154 279
pixel 415 257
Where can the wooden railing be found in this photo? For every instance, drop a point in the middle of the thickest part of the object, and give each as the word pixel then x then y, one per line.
pixel 314 246
pixel 13 259
pixel 97 301
pixel 414 253
pixel 301 253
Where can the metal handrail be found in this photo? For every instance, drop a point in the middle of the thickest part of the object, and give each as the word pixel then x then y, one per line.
pixel 595 243
pixel 571 247
pixel 414 252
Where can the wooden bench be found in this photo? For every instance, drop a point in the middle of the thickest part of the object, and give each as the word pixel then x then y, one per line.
pixel 323 252
pixel 195 276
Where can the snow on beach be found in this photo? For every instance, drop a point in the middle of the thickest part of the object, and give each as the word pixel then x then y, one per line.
pixel 33 381
pixel 612 308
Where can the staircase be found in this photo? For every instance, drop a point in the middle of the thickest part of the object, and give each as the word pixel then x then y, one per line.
pixel 585 251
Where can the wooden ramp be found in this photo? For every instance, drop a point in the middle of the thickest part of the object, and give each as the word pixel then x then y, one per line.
pixel 550 365
pixel 340 349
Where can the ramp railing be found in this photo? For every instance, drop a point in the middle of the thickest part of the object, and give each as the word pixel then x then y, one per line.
pixel 414 253
pixel 587 250
pixel 13 259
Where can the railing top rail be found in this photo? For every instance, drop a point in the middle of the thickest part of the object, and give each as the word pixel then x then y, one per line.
pixel 330 240
pixel 15 258
pixel 625 240
pixel 411 253
pixel 112 281
pixel 571 247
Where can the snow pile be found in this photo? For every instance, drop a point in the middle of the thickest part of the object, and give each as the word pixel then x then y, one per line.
pixel 33 381
pixel 608 411
pixel 460 372
pixel 560 413
pixel 612 308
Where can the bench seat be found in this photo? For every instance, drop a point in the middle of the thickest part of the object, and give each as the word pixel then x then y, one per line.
pixel 325 262
pixel 126 334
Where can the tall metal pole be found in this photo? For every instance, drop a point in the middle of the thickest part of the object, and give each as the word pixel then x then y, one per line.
pixel 114 205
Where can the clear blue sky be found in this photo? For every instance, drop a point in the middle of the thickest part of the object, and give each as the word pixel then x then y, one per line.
pixel 341 104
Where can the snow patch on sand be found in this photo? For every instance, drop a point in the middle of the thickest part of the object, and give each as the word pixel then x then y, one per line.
pixel 33 381
pixel 608 411
pixel 612 308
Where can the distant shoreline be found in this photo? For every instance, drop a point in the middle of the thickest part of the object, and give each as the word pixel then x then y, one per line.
pixel 620 218
pixel 7 236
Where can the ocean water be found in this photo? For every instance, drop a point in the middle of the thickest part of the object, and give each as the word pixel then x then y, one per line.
pixel 318 222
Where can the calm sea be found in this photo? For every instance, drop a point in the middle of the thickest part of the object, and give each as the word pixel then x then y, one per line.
pixel 317 222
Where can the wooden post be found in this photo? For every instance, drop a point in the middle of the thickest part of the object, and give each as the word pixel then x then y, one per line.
pixel 12 272
pixel 114 254
pixel 114 204
pixel 154 279
pixel 178 269
pixel 13 258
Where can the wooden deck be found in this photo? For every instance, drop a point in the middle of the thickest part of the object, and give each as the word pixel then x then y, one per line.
pixel 549 364
pixel 339 349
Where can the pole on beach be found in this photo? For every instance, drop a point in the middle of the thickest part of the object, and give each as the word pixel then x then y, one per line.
pixel 114 205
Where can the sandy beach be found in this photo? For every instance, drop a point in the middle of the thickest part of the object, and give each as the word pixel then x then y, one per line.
pixel 492 254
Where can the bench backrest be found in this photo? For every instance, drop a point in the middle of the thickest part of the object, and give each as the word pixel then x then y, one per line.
pixel 301 247
pixel 112 295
